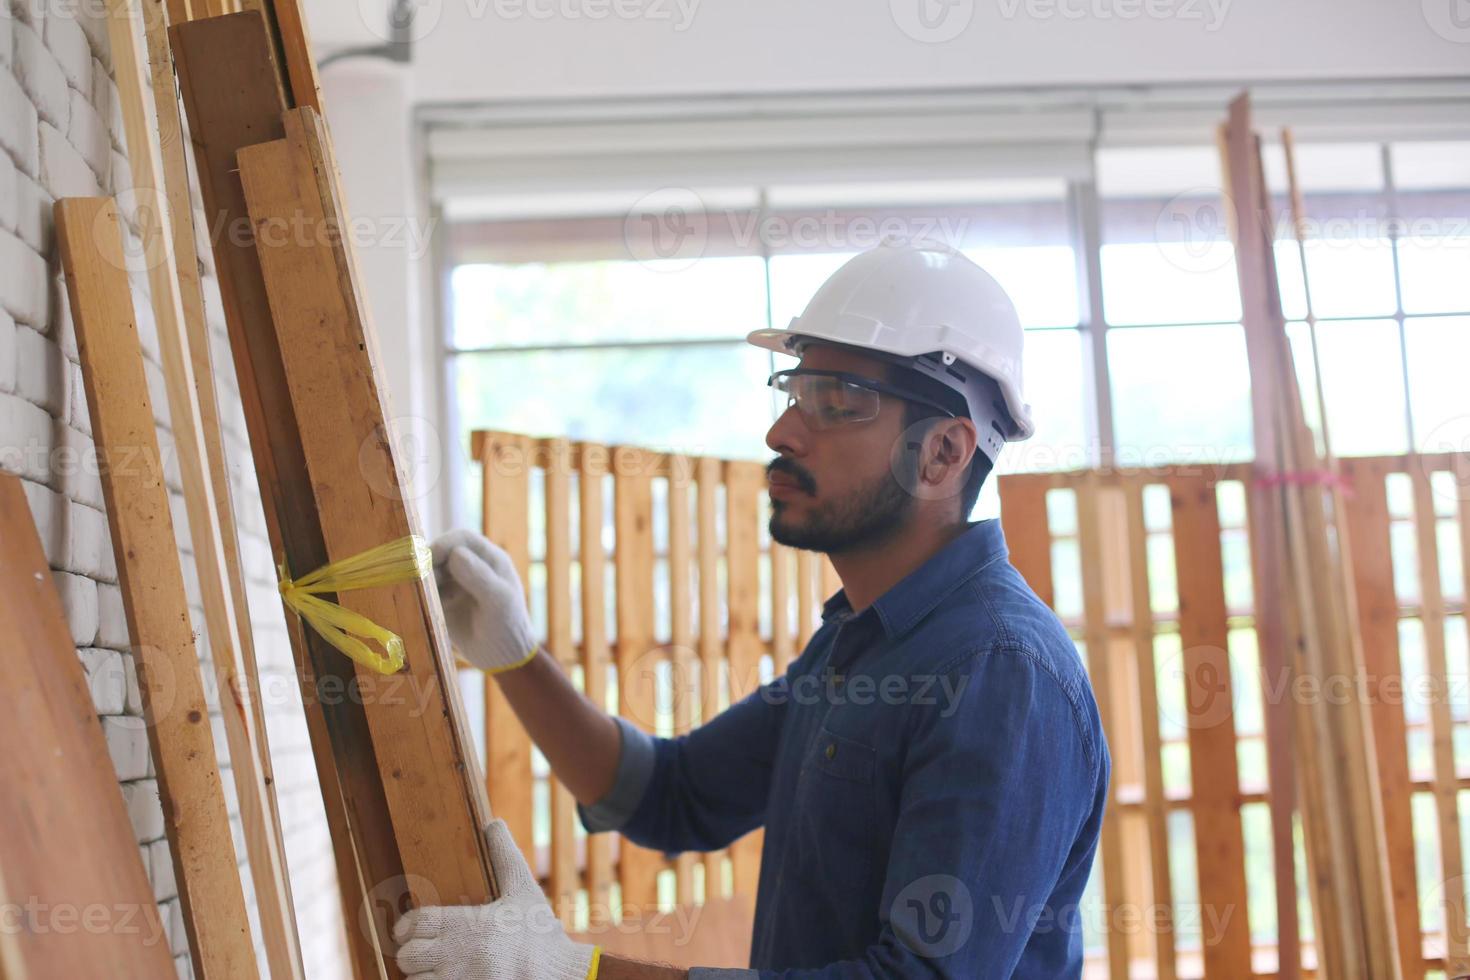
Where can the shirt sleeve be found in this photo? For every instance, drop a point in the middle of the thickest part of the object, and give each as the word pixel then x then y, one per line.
pixel 699 791
pixel 999 804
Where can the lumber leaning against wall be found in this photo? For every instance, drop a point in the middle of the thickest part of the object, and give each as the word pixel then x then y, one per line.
pixel 152 584
pixel 326 349
pixel 68 846
pixel 156 158
pixel 400 782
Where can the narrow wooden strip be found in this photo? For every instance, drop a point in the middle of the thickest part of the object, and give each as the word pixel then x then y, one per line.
pixel 808 608
pixel 682 654
pixel 506 477
pixel 1099 672
pixel 1214 776
pixel 1378 620
pixel 232 94
pixel 294 44
pixel 559 641
pixel 592 467
pixel 435 802
pixel 68 842
pixel 710 475
pixel 152 584
pixel 1442 725
pixel 743 482
pixel 782 637
pixel 638 656
pixel 194 422
pixel 1027 529
pixel 1155 804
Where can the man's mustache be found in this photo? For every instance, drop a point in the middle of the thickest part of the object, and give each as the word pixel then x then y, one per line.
pixel 786 466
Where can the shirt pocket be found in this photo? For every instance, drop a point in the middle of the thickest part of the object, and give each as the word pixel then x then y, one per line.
pixel 835 814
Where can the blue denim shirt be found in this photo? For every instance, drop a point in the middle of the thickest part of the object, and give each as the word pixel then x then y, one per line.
pixel 931 774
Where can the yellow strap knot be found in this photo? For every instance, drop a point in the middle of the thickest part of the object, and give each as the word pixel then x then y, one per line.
pixel 405 560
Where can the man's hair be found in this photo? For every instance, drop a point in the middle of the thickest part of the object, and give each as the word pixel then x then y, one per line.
pixel 915 412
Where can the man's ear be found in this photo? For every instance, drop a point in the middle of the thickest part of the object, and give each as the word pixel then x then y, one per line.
pixel 951 445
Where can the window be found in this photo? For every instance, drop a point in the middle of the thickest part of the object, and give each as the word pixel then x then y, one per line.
pixel 559 326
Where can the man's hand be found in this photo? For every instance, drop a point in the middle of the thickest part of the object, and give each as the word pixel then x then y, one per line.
pixel 484 603
pixel 515 937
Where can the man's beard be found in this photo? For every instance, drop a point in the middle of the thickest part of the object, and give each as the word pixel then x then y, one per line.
pixel 865 519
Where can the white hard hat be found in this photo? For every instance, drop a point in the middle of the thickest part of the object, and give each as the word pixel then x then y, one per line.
pixel 931 307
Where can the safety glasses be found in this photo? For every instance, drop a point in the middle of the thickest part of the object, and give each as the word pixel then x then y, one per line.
pixel 827 399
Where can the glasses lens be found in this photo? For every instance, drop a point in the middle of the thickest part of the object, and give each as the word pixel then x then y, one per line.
pixel 825 402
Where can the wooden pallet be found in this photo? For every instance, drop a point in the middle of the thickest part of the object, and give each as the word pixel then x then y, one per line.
pixel 712 661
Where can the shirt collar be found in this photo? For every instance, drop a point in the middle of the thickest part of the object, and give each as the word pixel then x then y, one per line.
pixel 915 596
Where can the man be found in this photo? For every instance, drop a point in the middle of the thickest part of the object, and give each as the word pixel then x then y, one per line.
pixel 930 772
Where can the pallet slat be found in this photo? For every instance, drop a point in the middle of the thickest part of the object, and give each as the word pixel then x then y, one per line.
pixel 1214 776
pixel 1378 620
pixel 638 867
pixel 1155 805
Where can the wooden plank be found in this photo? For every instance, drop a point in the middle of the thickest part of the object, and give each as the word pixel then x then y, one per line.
pixel 637 654
pixel 68 842
pixel 231 92
pixel 710 474
pixel 1155 804
pixel 1027 529
pixel 152 586
pixel 592 468
pixel 743 483
pixel 782 636
pixel 1378 620
pixel 1214 776
pixel 1442 726
pixel 1099 672
pixel 808 609
pixel 435 802
pixel 294 45
pixel 183 342
pixel 563 883
pixel 681 639
pixel 506 478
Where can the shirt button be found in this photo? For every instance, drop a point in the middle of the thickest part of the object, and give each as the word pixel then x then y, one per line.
pixel 831 749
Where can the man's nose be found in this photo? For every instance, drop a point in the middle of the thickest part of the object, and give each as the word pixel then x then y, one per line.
pixel 788 434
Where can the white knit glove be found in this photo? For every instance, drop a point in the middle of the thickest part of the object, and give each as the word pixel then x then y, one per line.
pixel 515 937
pixel 484 603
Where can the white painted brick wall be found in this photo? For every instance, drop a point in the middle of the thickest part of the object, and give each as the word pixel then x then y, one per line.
pixel 61 135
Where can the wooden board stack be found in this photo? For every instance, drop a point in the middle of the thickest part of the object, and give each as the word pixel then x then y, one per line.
pixel 1309 619
pixel 404 798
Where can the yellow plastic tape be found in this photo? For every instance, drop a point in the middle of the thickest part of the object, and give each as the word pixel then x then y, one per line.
pixel 404 560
